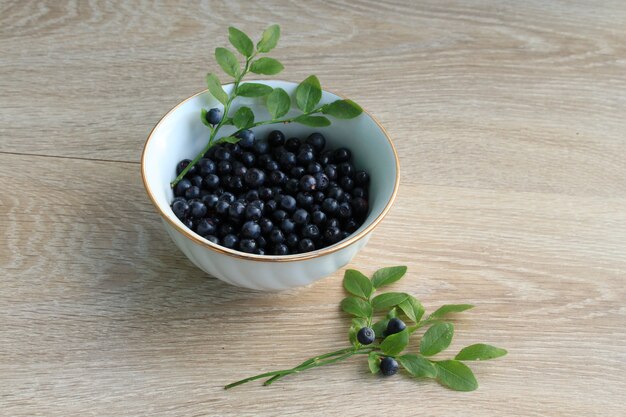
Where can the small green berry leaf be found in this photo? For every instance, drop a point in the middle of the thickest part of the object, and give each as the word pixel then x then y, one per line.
pixel 253 90
pixel 215 88
pixel 269 39
pixel 449 308
pixel 203 113
pixel 230 139
pixel 241 42
pixel 278 103
pixel 357 307
pixel 357 324
pixel 456 375
pixel 357 284
pixel 227 61
pixel 395 343
pixel 373 362
pixel 308 94
pixel 266 66
pixel 313 121
pixel 418 366
pixel 243 117
pixel 437 338
pixel 480 352
pixel 228 121
pixel 379 327
pixel 392 313
pixel 412 308
pixel 387 300
pixel 386 276
pixel 342 109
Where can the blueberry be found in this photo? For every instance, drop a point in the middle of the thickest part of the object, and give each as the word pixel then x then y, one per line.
pixel 335 192
pixel 236 210
pixel 206 166
pixel 197 209
pixel 307 183
pixel 287 225
pixel 247 245
pixel 306 245
pixel 305 156
pixel 318 217
pixel 211 181
pixel 246 139
pixel 262 160
pixel 222 153
pixel 278 177
pixel 192 192
pixel 292 144
pixel 182 186
pixel 276 138
pixel 210 200
pixel 261 242
pixel 251 229
pixel 346 169
pixel 292 185
pixel 344 211
pixel 234 149
pixel 330 205
pixel 314 168
pixel 333 222
pixel 317 141
pixel 214 116
pixel 253 212
pixel 270 207
pixel 188 223
pixel 224 167
pixel 394 326
pixel 342 155
pixel 197 181
pixel 266 225
pixel 261 147
pixel 280 249
pixel 304 199
pixel 332 235
pixel 276 236
pixel 279 215
pixel 206 227
pixel 331 172
pixel 235 183
pixel 252 195
pixel 318 196
pixel 248 159
pixel 287 160
pixel 366 336
pixel 288 203
pixel 254 177
pixel 183 164
pixel 297 171
pixel 228 197
pixel 222 207
pixel 301 216
pixel 359 192
pixel 361 178
pixel 213 239
pixel 326 157
pixel 346 183
pixel 259 251
pixel 359 206
pixel 230 241
pixel 265 193
pixel 180 208
pixel 310 231
pixel 292 240
pixel 388 366
pixel 321 181
pixel 239 169
pixel 272 166
pixel 351 226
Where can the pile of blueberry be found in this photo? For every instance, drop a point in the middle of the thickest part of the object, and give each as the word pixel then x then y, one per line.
pixel 277 196
pixel 366 336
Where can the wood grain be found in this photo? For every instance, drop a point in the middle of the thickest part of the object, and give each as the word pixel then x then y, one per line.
pixel 509 120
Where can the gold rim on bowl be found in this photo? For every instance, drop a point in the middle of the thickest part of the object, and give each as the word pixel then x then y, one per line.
pixel 271 258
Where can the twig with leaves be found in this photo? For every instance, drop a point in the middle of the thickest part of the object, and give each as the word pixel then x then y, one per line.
pixel 394 336
pixel 278 102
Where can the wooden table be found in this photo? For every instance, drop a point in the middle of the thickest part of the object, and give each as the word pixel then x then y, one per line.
pixel 509 118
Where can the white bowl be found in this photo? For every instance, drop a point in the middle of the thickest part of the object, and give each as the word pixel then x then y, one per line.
pixel 180 134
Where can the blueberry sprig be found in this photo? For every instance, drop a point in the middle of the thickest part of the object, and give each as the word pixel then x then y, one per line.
pixel 388 355
pixel 307 95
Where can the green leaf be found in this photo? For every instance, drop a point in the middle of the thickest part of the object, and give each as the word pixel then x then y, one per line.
pixel 266 66
pixel 203 113
pixel 357 307
pixel 313 121
pixel 253 90
pixel 437 338
pixel 418 366
pixel 230 139
pixel 395 343
pixel 386 276
pixel 479 352
pixel 278 103
pixel 456 375
pixel 392 313
pixel 342 109
pixel 215 88
pixel 308 94
pixel 269 39
pixel 227 61
pixel 388 300
pixel 228 121
pixel 243 117
pixel 449 308
pixel 373 362
pixel 357 324
pixel 240 41
pixel 412 308
pixel 379 328
pixel 357 284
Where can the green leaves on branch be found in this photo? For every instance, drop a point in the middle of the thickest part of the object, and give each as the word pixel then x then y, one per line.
pixel 228 61
pixel 312 121
pixel 241 42
pixel 418 366
pixel 215 88
pixel 436 339
pixel 266 66
pixel 243 118
pixel 269 39
pixel 386 276
pixel 388 300
pixel 342 109
pixel 357 284
pixel 479 352
pixel 357 307
pixel 395 343
pixel 412 308
pixel 449 308
pixel 253 90
pixel 278 103
pixel 456 375
pixel 308 94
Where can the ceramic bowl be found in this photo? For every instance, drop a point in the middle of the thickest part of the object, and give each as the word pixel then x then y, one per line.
pixel 180 134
